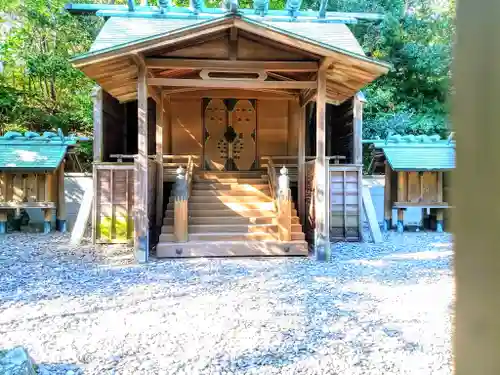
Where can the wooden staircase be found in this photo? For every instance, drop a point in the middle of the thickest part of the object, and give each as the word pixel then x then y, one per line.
pixel 230 214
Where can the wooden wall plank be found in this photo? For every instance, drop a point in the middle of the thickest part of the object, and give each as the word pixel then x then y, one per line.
pixel 272 122
pixel 301 152
pixel 186 126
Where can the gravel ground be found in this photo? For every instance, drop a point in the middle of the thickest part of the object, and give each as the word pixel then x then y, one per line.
pixel 373 310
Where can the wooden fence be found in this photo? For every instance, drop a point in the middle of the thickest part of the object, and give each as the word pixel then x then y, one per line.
pixel 344 202
pixel 113 220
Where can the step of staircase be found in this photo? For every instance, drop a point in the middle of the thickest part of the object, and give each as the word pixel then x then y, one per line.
pixel 228 180
pixel 228 220
pixel 230 248
pixel 227 213
pixel 238 174
pixel 233 193
pixel 235 206
pixel 244 199
pixel 231 236
pixel 230 186
pixel 230 228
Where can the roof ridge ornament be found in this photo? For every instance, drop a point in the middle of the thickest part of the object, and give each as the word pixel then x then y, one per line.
pixel 261 7
pixel 322 8
pixel 293 7
pixel 231 6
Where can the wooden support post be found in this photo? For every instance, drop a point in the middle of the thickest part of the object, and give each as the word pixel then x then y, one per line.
pixel 167 127
pixel 284 206
pixel 47 220
pixel 97 96
pixel 387 198
pixel 402 186
pixel 301 161
pixel 357 131
pixel 141 169
pixel 401 220
pixel 439 220
pixel 181 207
pixel 440 187
pixel 321 232
pixel 61 201
pixel 160 121
pixel 3 221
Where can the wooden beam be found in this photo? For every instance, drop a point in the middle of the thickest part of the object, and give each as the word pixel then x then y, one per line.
pixel 97 144
pixel 222 84
pixel 321 232
pixel 236 94
pixel 275 66
pixel 141 169
pixel 160 123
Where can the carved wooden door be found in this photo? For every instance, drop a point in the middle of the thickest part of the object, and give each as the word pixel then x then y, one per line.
pixel 230 128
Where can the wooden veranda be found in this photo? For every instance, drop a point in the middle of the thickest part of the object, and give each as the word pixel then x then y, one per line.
pixel 232 100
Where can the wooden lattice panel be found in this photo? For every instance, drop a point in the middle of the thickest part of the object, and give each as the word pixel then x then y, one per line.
pixel 215 120
pixel 344 204
pixel 243 121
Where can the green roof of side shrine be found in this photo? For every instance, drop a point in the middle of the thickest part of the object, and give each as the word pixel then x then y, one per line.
pixel 417 153
pixel 34 152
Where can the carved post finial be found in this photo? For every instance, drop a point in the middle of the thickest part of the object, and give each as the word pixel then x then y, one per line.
pixel 283 181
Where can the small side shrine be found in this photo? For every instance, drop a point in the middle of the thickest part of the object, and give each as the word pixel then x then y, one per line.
pixel 32 176
pixel 416 175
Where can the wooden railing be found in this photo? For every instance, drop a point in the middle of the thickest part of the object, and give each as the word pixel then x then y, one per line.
pixel 183 186
pixel 282 196
pixel 119 157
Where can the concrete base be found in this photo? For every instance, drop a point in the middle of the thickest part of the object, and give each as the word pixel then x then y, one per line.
pixel 47 227
pixel 230 248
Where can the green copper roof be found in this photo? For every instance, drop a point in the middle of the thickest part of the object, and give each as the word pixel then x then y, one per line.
pixel 32 151
pixel 121 31
pixel 418 153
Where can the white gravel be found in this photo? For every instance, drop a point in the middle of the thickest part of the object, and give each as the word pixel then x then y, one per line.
pixel 373 310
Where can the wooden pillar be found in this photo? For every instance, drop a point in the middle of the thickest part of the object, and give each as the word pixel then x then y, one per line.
pixel 47 220
pixel 3 221
pixel 474 188
pixel 61 201
pixel 160 122
pixel 141 167
pixel 167 126
pixel 440 186
pixel 321 232
pixel 357 130
pixel 97 96
pixel 387 198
